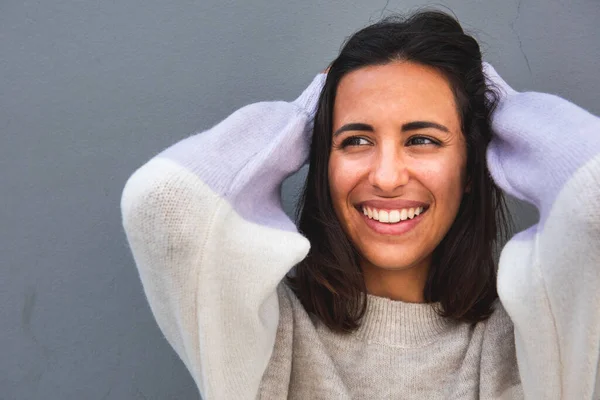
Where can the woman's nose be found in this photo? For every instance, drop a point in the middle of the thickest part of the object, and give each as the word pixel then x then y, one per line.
pixel 389 171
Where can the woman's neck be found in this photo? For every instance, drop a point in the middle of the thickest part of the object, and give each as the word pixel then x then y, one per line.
pixel 404 284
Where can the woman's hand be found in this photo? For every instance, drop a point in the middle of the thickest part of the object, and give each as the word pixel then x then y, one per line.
pixel 539 141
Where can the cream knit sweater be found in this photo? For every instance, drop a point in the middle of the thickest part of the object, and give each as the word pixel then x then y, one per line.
pixel 211 242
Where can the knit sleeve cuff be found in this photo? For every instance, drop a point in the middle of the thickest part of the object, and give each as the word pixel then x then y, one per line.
pixel 309 99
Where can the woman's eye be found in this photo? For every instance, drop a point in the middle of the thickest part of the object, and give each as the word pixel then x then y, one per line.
pixel 354 141
pixel 421 140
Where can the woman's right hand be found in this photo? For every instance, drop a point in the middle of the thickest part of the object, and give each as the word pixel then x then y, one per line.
pixel 543 134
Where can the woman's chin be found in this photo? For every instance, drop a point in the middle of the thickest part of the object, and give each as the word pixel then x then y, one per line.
pixel 392 262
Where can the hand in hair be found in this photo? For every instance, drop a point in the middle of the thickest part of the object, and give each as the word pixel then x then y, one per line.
pixel 532 155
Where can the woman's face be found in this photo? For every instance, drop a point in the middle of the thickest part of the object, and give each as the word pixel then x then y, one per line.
pixel 398 156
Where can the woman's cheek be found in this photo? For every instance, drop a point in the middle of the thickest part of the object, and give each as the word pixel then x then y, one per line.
pixel 346 172
pixel 443 178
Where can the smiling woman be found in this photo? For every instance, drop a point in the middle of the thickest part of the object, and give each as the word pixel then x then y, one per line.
pixel 392 170
pixel 395 293
pixel 406 103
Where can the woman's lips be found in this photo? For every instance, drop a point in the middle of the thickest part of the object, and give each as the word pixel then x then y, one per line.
pixel 398 228
pixel 392 204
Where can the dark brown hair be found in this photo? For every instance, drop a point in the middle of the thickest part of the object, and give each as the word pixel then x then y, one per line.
pixel 329 281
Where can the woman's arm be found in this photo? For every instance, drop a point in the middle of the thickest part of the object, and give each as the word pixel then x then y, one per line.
pixel 211 242
pixel 546 151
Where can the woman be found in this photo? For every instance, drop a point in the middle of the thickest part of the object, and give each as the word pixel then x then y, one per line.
pixel 394 294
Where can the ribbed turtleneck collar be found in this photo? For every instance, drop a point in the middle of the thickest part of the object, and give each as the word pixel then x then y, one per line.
pixel 396 323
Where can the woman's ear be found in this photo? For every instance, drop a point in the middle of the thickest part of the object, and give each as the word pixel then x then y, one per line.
pixel 468 186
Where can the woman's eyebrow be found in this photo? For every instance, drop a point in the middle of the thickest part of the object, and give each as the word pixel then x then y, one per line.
pixel 415 125
pixel 409 126
pixel 355 126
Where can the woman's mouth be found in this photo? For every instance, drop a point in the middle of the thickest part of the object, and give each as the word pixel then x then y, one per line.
pixel 392 216
pixel 392 221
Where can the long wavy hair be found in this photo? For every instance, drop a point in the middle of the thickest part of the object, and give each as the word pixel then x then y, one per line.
pixel 462 278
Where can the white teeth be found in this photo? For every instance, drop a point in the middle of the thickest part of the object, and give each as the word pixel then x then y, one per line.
pixel 403 214
pixel 384 216
pixel 392 216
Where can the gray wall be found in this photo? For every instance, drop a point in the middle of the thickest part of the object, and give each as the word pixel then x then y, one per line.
pixel 89 91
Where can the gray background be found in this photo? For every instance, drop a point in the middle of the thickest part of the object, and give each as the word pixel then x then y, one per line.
pixel 89 91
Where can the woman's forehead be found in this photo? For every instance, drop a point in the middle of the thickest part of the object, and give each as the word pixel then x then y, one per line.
pixel 400 89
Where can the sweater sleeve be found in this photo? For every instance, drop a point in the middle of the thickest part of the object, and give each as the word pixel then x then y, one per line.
pixel 211 241
pixel 546 151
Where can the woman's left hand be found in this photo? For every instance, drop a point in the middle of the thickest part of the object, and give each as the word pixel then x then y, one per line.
pixel 539 141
